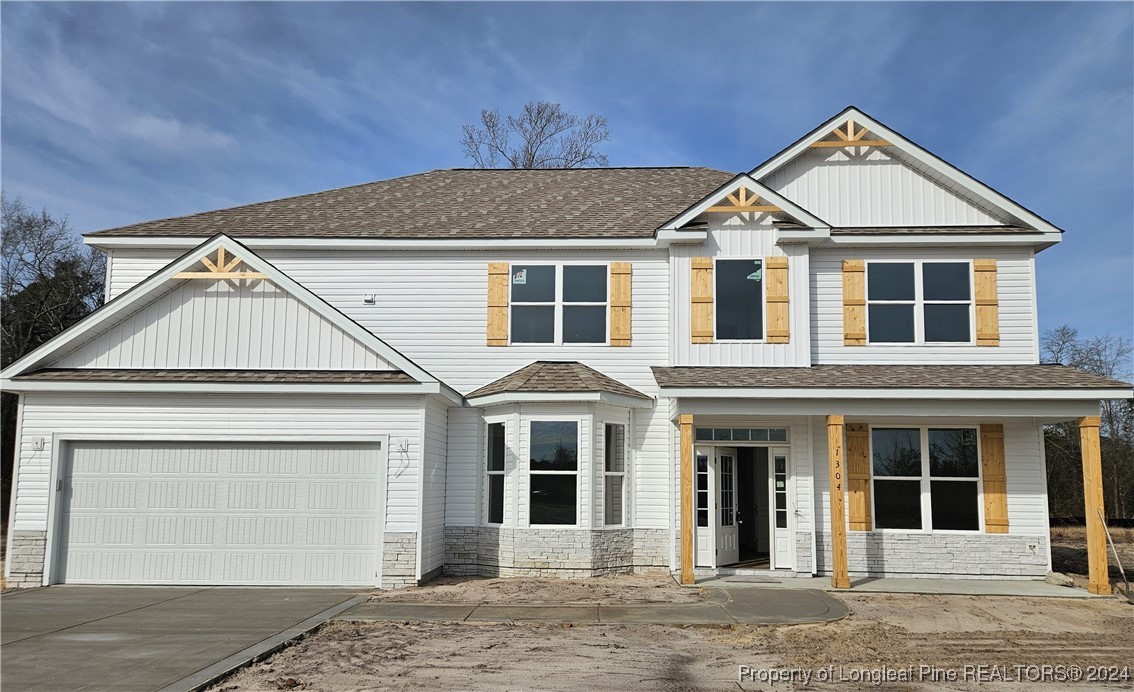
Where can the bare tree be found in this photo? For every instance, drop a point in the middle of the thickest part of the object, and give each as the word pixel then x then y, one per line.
pixel 543 135
pixel 1109 356
pixel 48 281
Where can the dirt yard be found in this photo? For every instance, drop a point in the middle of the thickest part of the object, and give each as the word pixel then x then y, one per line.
pixel 1069 552
pixel 948 632
pixel 631 588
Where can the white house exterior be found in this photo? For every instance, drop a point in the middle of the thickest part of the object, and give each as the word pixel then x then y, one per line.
pixel 572 372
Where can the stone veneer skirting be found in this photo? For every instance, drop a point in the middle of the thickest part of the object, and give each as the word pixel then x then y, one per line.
pixel 492 551
pixel 25 558
pixel 399 559
pixel 972 555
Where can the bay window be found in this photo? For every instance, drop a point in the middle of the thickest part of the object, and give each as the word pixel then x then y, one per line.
pixel 554 472
pixel 614 474
pixel 494 470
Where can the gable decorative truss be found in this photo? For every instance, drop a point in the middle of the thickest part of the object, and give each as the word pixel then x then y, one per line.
pixel 219 254
pixel 742 195
pixel 222 267
pixel 852 127
pixel 850 137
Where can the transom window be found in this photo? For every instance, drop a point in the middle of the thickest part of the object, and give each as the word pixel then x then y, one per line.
pixel 926 478
pixel 919 302
pixel 739 300
pixel 494 469
pixel 554 465
pixel 742 434
pixel 558 304
pixel 614 474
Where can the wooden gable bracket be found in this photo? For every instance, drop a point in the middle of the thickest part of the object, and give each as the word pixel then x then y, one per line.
pixel 222 268
pixel 741 202
pixel 851 138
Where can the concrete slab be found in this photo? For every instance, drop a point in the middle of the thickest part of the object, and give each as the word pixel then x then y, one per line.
pixel 945 587
pixel 137 638
pixel 683 614
pixel 380 610
pixel 572 614
pixel 786 607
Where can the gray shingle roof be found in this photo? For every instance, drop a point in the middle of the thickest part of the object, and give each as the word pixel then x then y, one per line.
pixel 231 376
pixel 888 377
pixel 465 203
pixel 556 377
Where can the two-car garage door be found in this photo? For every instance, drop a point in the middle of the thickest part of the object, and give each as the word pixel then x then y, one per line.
pixel 216 513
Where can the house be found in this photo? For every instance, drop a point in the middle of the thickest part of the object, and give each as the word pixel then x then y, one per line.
pixel 828 365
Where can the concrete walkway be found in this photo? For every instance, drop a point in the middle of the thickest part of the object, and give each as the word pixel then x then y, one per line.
pixel 148 638
pixel 726 607
pixel 945 587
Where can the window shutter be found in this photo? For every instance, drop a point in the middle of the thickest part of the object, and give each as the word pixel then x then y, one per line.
pixel 620 300
pixel 497 304
pixel 987 302
pixel 776 278
pixel 858 475
pixel 854 303
pixel 701 292
pixel 995 479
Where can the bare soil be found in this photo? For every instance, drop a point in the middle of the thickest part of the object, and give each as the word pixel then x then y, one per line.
pixel 1069 553
pixel 894 630
pixel 630 588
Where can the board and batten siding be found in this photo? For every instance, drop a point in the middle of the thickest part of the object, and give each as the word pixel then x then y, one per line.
pixel 1015 292
pixel 1023 465
pixel 433 470
pixel 224 325
pixel 873 189
pixel 734 239
pixel 249 418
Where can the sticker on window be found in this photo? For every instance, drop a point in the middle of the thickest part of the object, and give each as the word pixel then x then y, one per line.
pixel 755 276
pixel 520 277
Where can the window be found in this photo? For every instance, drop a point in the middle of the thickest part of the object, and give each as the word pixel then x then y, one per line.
pixel 779 478
pixel 926 468
pixel 739 300
pixel 728 501
pixel 559 304
pixel 554 465
pixel 702 490
pixel 494 467
pixel 919 302
pixel 614 474
pixel 742 434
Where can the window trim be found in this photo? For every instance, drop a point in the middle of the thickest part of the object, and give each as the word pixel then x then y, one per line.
pixel 919 303
pixel 578 472
pixel 623 473
pixel 558 304
pixel 924 479
pixel 763 300
pixel 487 474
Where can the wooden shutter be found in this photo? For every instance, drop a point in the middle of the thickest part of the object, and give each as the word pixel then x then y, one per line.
pixel 995 479
pixel 776 276
pixel 987 302
pixel 701 298
pixel 858 475
pixel 497 304
pixel 854 303
pixel 620 300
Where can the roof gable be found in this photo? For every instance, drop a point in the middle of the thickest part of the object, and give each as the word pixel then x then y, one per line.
pixel 220 323
pixel 741 192
pixel 812 169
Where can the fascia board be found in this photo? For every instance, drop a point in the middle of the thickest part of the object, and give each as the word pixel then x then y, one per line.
pixel 790 208
pixel 561 397
pixel 897 394
pixel 55 386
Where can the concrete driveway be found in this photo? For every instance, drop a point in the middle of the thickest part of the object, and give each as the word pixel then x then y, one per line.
pixel 145 638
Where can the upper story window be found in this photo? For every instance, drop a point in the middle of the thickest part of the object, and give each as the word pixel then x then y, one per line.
pixel 739 300
pixel 553 453
pixel 919 302
pixel 559 304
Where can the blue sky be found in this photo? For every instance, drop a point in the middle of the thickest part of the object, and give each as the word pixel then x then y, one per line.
pixel 121 112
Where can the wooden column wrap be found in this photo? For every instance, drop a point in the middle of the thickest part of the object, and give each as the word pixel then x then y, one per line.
pixel 701 299
pixel 854 303
pixel 776 296
pixel 1098 578
pixel 840 578
pixel 685 423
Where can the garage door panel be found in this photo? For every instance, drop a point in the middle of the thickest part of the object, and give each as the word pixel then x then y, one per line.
pixel 178 513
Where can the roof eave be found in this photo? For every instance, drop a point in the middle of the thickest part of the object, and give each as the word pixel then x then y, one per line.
pixel 611 398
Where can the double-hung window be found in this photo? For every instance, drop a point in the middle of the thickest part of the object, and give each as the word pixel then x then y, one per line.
pixel 554 472
pixel 494 470
pixel 614 474
pixel 559 304
pixel 739 300
pixel 919 302
pixel 926 478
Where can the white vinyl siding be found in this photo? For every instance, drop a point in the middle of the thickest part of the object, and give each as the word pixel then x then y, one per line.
pixel 434 466
pixel 128 267
pixel 879 191
pixel 244 418
pixel 1014 291
pixel 224 325
pixel 463 467
pixel 739 240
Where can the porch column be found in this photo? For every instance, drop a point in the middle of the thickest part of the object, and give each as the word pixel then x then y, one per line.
pixel 837 475
pixel 685 422
pixel 1099 579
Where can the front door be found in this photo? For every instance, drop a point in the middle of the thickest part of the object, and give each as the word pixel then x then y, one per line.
pixel 728 539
